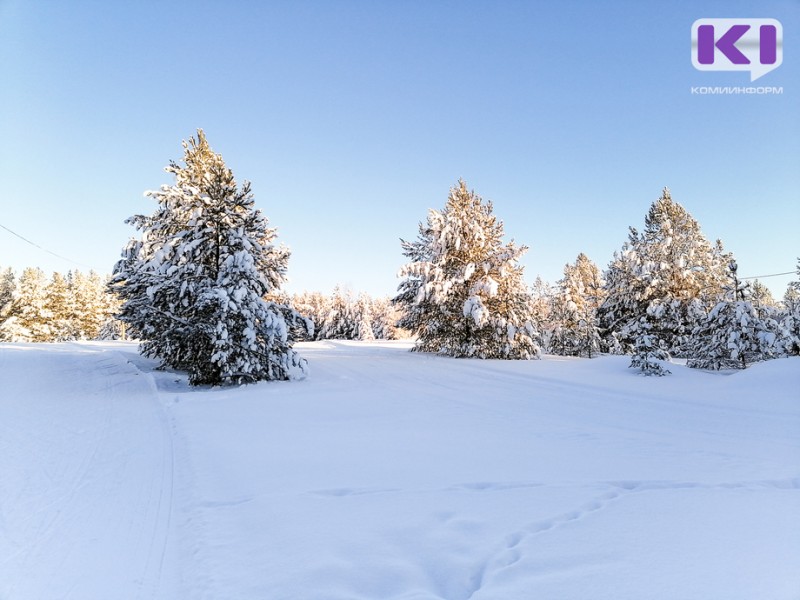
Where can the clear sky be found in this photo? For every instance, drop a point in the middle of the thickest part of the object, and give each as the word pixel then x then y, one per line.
pixel 352 119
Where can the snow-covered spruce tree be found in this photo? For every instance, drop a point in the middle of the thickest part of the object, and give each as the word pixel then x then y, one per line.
pixel 733 335
pixel 670 264
pixel 574 310
pixel 462 294
pixel 194 286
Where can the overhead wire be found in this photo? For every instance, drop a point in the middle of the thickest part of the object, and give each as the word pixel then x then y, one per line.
pixel 34 244
pixel 765 276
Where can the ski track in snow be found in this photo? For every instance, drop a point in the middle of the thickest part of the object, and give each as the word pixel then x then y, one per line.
pixel 395 475
pixel 87 491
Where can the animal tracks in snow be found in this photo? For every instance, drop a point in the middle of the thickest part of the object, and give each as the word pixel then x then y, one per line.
pixel 345 491
pixel 615 490
pixel 513 548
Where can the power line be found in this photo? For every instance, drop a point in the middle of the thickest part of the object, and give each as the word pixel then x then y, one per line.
pixel 24 239
pixel 34 244
pixel 765 276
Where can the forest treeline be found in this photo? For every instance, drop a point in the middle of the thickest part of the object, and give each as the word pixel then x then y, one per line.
pixel 202 287
pixel 58 308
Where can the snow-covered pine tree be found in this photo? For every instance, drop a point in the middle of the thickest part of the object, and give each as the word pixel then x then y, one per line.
pixel 622 305
pixel 194 286
pixel 769 314
pixel 462 294
pixel 574 310
pixel 542 297
pixel 385 316
pixel 670 264
pixel 761 296
pixel 314 306
pixel 341 322
pixel 790 317
pixel 363 317
pixel 34 316
pixel 733 335
pixel 9 307
pixel 563 339
pixel 8 291
pixel 93 306
pixel 61 303
pixel 648 349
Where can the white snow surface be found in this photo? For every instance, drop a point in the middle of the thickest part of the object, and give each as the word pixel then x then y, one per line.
pixel 396 475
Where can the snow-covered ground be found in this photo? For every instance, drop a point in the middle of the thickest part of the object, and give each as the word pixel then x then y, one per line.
pixel 389 474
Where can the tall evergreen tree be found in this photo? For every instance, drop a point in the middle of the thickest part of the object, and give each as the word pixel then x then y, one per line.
pixel 790 317
pixel 462 294
pixel 93 307
pixel 194 286
pixel 385 316
pixel 542 296
pixel 33 315
pixel 761 296
pixel 574 310
pixel 8 292
pixel 671 265
pixel 364 316
pixel 340 322
pixel 314 306
pixel 60 301
pixel 9 306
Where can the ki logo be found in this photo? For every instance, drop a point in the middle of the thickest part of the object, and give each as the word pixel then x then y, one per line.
pixel 754 45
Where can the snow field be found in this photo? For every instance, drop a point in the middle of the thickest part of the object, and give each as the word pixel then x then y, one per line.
pixel 390 474
pixel 86 476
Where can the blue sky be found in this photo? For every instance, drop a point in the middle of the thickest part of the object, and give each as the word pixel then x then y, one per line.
pixel 352 119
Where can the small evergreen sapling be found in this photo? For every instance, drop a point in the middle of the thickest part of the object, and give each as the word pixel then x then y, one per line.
pixel 648 349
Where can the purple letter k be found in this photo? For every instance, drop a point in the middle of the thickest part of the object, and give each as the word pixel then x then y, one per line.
pixel 726 44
